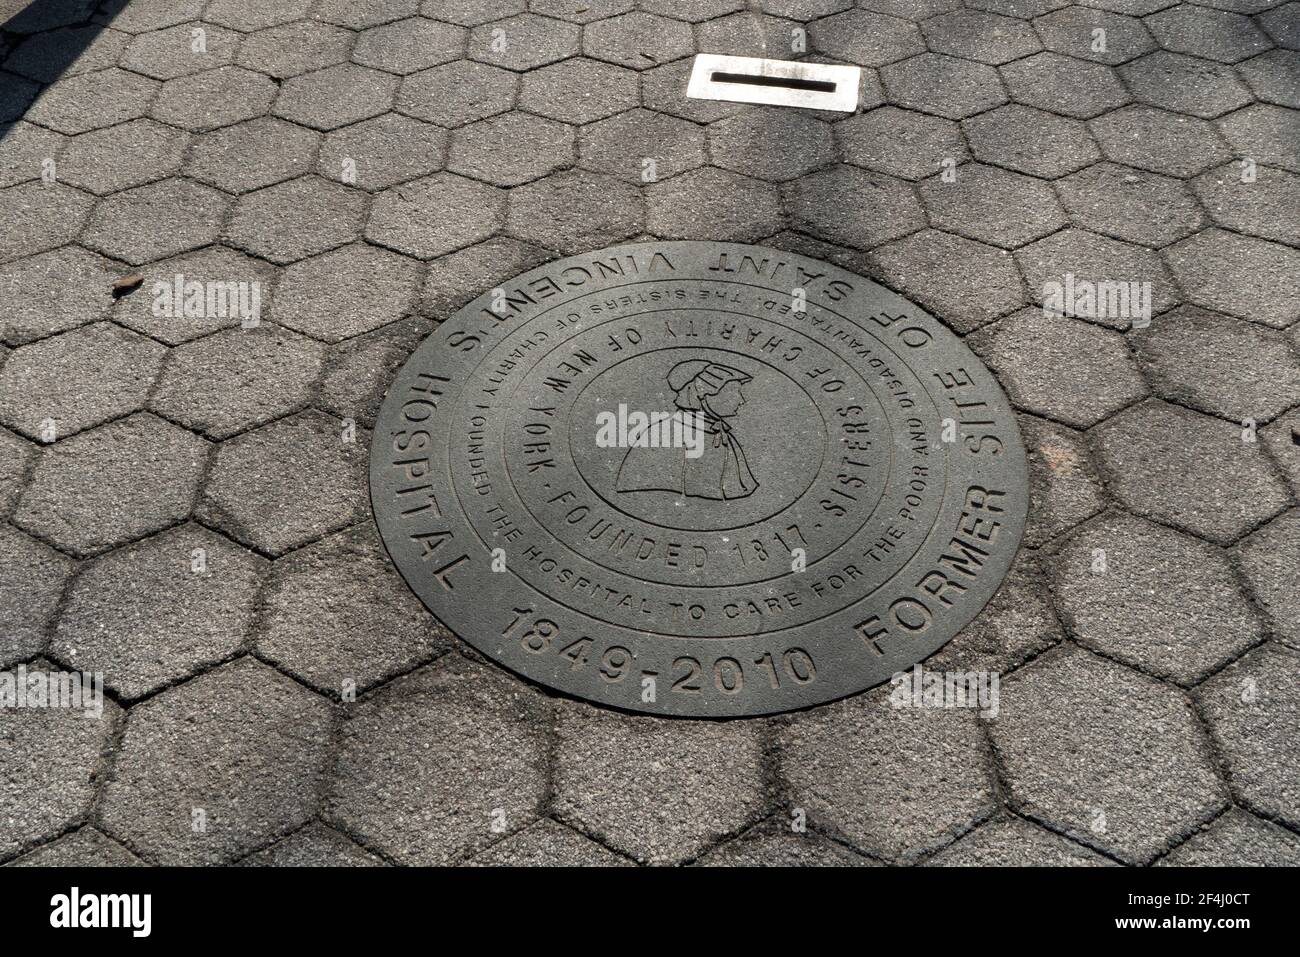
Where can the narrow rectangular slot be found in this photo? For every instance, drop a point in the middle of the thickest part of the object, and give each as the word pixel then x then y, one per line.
pixel 744 79
pixel 785 82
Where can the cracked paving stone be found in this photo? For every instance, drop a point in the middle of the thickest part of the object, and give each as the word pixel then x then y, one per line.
pixel 866 39
pixel 993 206
pixel 1185 84
pixel 1253 710
pixel 135 153
pixel 1268 206
pixel 32 576
pixel 1274 77
pixel 661 89
pixel 1016 843
pixel 90 101
pixel 115 483
pixel 85 847
pixel 252 154
pixel 1283 439
pixel 409 46
pixel 151 222
pixel 213 98
pixel 243 744
pixel 1189 470
pixel 1129 204
pixel 297 219
pixel 1239 275
pixel 38 217
pixel 15 455
pixel 1269 558
pixel 337 615
pixel 750 34
pixel 383 152
pixel 142 16
pixel 899 142
pixel 471 13
pixel 524 42
pixel 1063 488
pixel 621 146
pixel 455 279
pixel 638 40
pixel 65 52
pixel 54 292
pixel 237 379
pixel 1030 141
pixel 1162 601
pixel 346 292
pixel 167 54
pixel 1237 839
pixel 710 203
pixel 78 379
pixel 771 144
pixel 657 790
pixel 1064 85
pixel 458 93
pixel 894 782
pixel 1068 370
pixel 1071 31
pixel 295 48
pixel 943 85
pixel 853 207
pixel 576 211
pixel 288 483
pixel 435 764
pixel 965 283
pixel 24 148
pixel 359 16
pixel 985 37
pixel 775 845
pixel 1282 23
pixel 579 91
pixel 511 149
pixel 16 95
pixel 1213 34
pixel 53 758
pixel 336 96
pixel 251 15
pixel 1113 759
pixel 1266 134
pixel 437 214
pixel 1227 367
pixel 314 846
pixel 548 844
pixel 361 369
pixel 152 613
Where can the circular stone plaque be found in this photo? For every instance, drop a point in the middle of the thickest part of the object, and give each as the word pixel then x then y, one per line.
pixel 699 479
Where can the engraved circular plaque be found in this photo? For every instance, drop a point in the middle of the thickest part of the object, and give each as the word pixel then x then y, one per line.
pixel 699 479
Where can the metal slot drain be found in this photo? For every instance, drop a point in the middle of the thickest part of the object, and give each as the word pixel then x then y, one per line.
pixel 743 79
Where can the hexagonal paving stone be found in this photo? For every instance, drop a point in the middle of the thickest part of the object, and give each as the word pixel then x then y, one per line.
pixel 357 16
pixel 853 765
pixel 113 484
pixel 899 142
pixel 1153 598
pixel 775 845
pixel 1267 134
pixel 150 222
pixel 852 207
pixel 524 42
pixel 1185 84
pixel 1237 839
pixel 167 54
pixel 135 153
pixel 692 11
pixel 85 847
pixel 1239 275
pixel 346 292
pixel 252 154
pixel 32 576
pixel 243 745
pixel 1130 204
pixel 151 613
pixel 867 39
pixel 213 98
pixel 142 16
pixel 1113 759
pixel 361 369
pixel 470 13
pixel 771 143
pixel 804 9
pixel 457 93
pixel 295 48
pixel 15 455
pixel 1063 488
pixel 314 846
pixel 993 206
pixel 638 40
pixel 1274 77
pixel 68 51
pixel 1282 437
pixel 69 382
pixel 337 96
pixel 471 747
pixel 38 217
pixel 455 279
pixel 1268 558
pixel 15 97
pixel 1227 367
pixel 622 145
pixel 1062 84
pixel 1073 31
pixel 1056 366
pixel 943 85
pixel 24 148
pixel 435 215
pixel 410 45
pixel 90 101
pixel 1283 24
pixel 753 34
pixel 1030 141
pixel 53 292
pixel 511 149
pixel 1015 843
pixel 1213 34
pixel 575 11
pixel 1189 470
pixel 249 15
pixel 661 90
pixel 237 379
pixel 48 779
pixel 658 790
pixel 575 211
pixel 710 203
pixel 982 36
pixel 548 844
pixel 293 220
pixel 1253 712
pixel 338 616
pixel 1267 206
pixel 382 152
pixel 286 484
pixel 965 283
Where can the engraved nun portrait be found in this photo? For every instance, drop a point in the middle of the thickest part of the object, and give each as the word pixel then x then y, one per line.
pixel 711 464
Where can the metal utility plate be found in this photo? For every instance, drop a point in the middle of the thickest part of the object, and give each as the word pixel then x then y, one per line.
pixel 746 79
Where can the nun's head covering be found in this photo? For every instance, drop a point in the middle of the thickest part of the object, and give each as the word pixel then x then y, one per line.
pixel 696 379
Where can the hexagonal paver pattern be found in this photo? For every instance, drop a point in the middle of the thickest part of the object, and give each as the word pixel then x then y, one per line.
pixel 1213 34
pixel 548 844
pixel 15 455
pixel 382 152
pixel 640 146
pixel 1159 141
pixel 853 207
pixel 314 846
pixel 82 848
pixel 867 39
pixel 1268 558
pixel 1237 839
pixel 943 85
pixel 53 292
pixel 1030 141
pixel 151 222
pixel 435 215
pixel 346 292
pixel 362 368
pixel 511 149
pixel 1239 275
pixel 44 57
pixel 90 101
pixel 167 54
pixel 993 206
pixel 39 217
pixel 580 91
pixel 252 154
pixel 337 96
pixel 1185 84
pixel 1266 205
pixel 249 15
pixel 295 48
pixel 213 98
pixel 471 13
pixel 1063 488
pixel 774 845
pixel 575 211
pixel 1130 204
pixel 524 42
pixel 359 16
pixel 638 40
pixel 1074 32
pixel 455 279
pixel 457 93
pixel 119 157
pixel 24 148
pixel 710 203
pixel 661 91
pixel 1274 77
pixel 771 144
pixel 408 46
pixel 1015 843
pixel 900 142
pixel 982 36
pixel 294 220
pixel 1062 84
pixel 32 576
